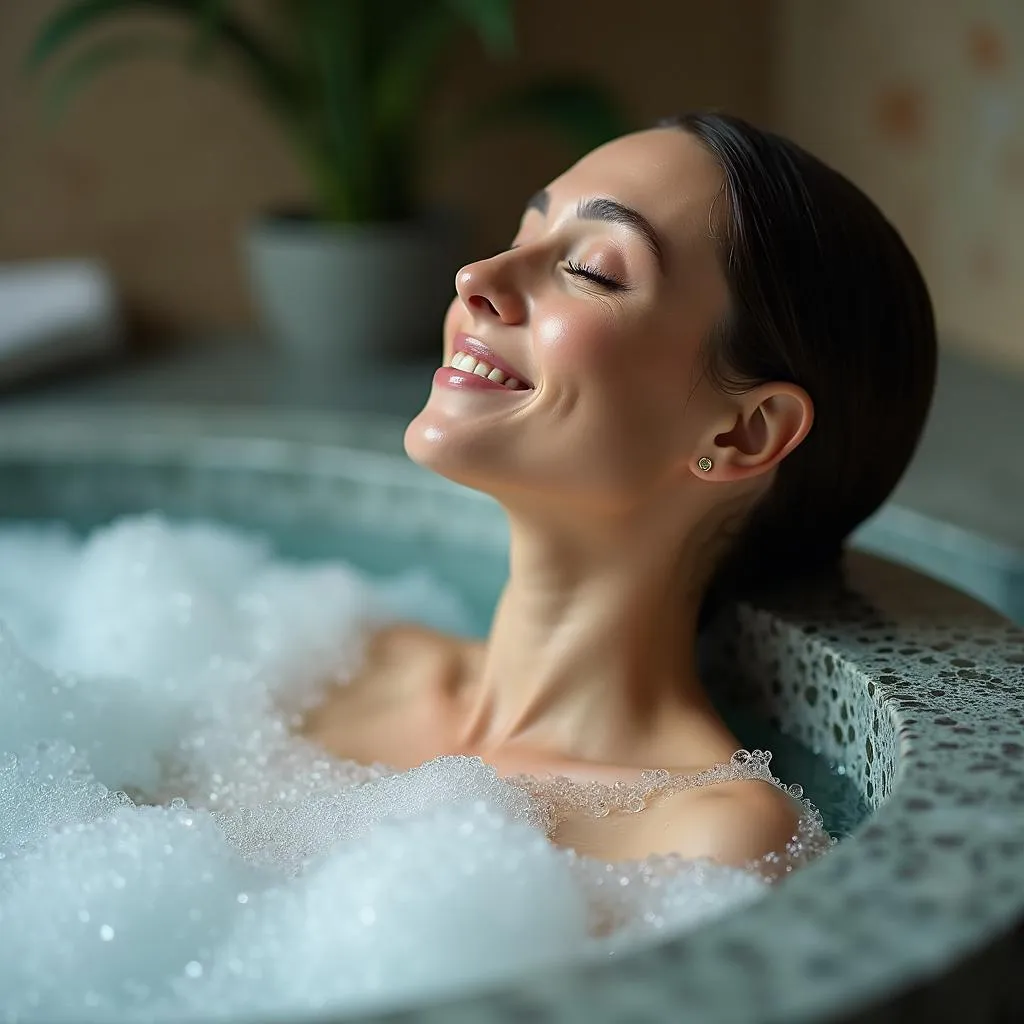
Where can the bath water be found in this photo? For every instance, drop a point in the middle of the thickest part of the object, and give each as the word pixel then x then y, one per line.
pixel 169 849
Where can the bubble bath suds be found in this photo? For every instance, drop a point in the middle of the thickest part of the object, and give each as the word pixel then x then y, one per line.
pixel 169 849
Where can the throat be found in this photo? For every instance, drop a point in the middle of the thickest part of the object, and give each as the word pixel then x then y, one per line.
pixel 591 657
pixel 579 687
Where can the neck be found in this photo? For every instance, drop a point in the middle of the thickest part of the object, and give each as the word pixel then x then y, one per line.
pixel 593 642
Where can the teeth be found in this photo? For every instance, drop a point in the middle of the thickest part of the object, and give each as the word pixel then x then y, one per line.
pixel 469 364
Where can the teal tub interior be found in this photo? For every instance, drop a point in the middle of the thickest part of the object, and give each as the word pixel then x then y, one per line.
pixel 898 701
pixel 383 553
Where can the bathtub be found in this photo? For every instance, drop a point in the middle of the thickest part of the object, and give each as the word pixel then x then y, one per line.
pixel 916 688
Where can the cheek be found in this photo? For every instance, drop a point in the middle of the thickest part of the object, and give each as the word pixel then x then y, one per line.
pixel 450 326
pixel 630 378
pixel 582 343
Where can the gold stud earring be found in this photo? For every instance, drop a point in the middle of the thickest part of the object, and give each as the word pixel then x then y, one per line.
pixel 704 464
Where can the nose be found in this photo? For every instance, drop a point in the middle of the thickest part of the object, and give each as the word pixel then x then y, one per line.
pixel 488 289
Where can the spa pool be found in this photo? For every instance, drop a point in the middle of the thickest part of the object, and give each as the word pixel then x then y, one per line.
pixel 915 689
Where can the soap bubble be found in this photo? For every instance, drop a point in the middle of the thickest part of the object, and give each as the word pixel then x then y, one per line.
pixel 169 849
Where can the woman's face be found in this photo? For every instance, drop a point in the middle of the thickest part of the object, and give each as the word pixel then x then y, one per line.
pixel 597 312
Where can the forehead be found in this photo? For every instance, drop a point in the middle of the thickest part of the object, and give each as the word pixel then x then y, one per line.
pixel 663 173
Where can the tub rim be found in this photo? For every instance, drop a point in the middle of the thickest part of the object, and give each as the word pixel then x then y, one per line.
pixel 859 884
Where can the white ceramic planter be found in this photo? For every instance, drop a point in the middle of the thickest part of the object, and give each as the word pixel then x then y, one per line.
pixel 335 295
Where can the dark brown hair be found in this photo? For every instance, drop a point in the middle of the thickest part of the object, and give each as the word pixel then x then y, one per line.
pixel 823 294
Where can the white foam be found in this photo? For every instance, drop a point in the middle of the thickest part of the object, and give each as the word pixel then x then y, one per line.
pixel 641 902
pixel 49 785
pixel 103 916
pixel 289 830
pixel 169 661
pixel 460 895
pixel 113 724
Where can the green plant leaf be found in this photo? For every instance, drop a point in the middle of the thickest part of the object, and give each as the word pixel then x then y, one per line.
pixel 211 21
pixel 70 22
pixel 388 24
pixel 405 72
pixel 492 20
pixel 275 78
pixel 346 78
pixel 98 58
pixel 339 119
pixel 77 19
pixel 580 111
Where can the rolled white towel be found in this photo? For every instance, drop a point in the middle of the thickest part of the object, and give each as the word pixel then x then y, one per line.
pixel 54 313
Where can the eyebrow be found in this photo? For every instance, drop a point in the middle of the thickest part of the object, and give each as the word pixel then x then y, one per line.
pixel 611 212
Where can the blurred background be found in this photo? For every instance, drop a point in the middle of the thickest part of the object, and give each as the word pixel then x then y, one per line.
pixel 154 178
pixel 156 167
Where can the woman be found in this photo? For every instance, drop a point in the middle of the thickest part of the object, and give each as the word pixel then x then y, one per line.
pixel 704 359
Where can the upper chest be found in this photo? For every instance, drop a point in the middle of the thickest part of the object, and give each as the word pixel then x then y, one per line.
pixel 361 730
pixel 400 711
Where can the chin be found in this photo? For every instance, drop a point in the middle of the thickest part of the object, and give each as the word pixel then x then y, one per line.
pixel 434 445
pixel 452 448
pixel 424 440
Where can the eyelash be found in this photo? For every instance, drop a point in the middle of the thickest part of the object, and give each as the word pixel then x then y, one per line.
pixel 579 270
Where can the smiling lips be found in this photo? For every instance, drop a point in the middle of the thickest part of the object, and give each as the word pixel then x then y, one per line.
pixel 473 364
pixel 467 363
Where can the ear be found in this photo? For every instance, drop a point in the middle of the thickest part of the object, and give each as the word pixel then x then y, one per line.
pixel 768 422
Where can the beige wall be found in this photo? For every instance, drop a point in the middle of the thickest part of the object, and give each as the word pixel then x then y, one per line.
pixel 156 169
pixel 921 102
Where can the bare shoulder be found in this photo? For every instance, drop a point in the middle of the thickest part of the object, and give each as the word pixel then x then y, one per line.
pixel 732 823
pixel 398 641
pixel 407 653
pixel 405 670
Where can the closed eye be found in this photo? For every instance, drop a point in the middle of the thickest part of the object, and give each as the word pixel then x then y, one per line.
pixel 581 270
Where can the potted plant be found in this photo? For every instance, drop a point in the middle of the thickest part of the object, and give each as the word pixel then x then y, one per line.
pixel 347 81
